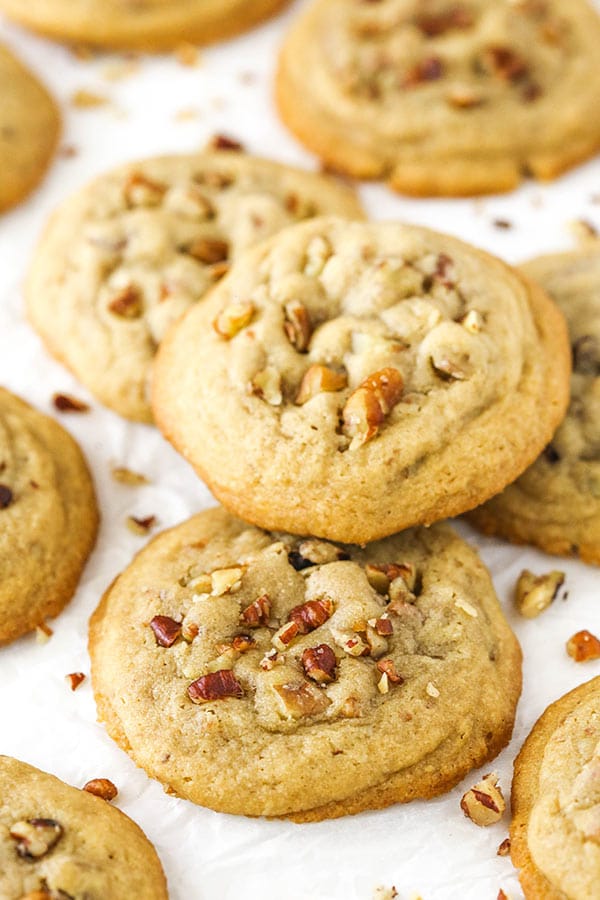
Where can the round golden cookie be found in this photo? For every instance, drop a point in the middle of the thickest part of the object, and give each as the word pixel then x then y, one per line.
pixel 263 674
pixel 129 253
pixel 555 504
pixel 48 517
pixel 444 98
pixel 60 843
pixel 352 379
pixel 141 24
pixel 29 130
pixel 555 831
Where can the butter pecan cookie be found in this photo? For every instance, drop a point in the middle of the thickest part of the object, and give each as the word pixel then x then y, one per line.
pixel 443 97
pixel 349 380
pixel 29 130
pixel 127 255
pixel 555 504
pixel 60 843
pixel 141 24
pixel 48 517
pixel 264 674
pixel 555 832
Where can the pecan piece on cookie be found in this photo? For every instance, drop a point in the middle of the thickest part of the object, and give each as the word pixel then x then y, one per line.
pixel 312 614
pixel 297 325
pixel 300 700
pixel 257 613
pixel 368 406
pixel 127 302
pixel 35 837
pixel 319 663
pixel 215 686
pixel 166 630
pixel 317 380
pixel 233 318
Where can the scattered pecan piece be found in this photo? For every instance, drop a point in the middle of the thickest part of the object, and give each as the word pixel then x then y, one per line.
pixel 448 370
pixel 301 700
pixel 381 575
pixel 472 322
pixel 312 614
pixel 233 318
pixel 505 63
pixel 504 848
pixel 35 837
pixel 267 384
pixel 215 686
pixel 67 403
pixel 388 668
pixel 312 552
pixel 139 190
pixel 140 525
pixel 101 787
pixel 271 659
pixel 285 635
pixel 317 380
pixel 74 679
pixel 226 581
pixel 502 224
pixel 257 613
pixel 456 17
pixel 484 803
pixel 127 303
pixel 243 642
pixel 126 476
pixel 319 663
pixel 583 646
pixel 297 325
pixel 6 496
pixel 166 630
pixel 429 69
pixel 384 626
pixel 534 593
pixel 209 250
pixel 369 405
pixel 43 633
pixel 223 142
pixel 501 895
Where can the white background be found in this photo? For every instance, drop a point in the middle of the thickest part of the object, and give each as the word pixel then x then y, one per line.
pixel 422 848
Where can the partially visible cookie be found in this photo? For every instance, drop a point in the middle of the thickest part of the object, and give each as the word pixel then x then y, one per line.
pixel 48 517
pixel 141 24
pixel 29 130
pixel 555 504
pixel 443 97
pixel 555 832
pixel 263 674
pixel 128 254
pixel 60 843
pixel 352 379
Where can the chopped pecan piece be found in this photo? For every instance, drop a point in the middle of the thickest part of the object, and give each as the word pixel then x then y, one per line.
pixel 233 318
pixel 449 370
pixel 67 403
pixel 429 69
pixel 223 142
pixel 271 659
pixel 301 700
pixel 215 686
pixel 257 613
pixel 267 384
pixel 311 615
pixel 455 17
pixel 285 635
pixel 243 642
pixel 384 626
pixel 472 322
pixel 297 325
pixel 534 593
pixel 355 646
pixel 381 575
pixel 319 663
pixel 142 191
pixel 6 496
pixel 317 380
pixel 312 552
pixel 101 787
pixel 505 63
pixel 74 679
pixel 127 303
pixel 583 646
pixel 369 405
pixel 209 250
pixel 484 804
pixel 35 837
pixel 226 581
pixel 388 668
pixel 43 633
pixel 166 630
pixel 504 848
pixel 140 524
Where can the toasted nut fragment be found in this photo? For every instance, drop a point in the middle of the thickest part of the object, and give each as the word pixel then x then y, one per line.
pixel 257 613
pixel 215 686
pixel 318 380
pixel 223 142
pixel 388 667
pixel 196 579
pixel 127 303
pixel 243 642
pixel 317 253
pixel 142 191
pixel 583 646
pixel 285 635
pixel 473 321
pixel 311 615
pixel 504 63
pixel 502 895
pixel 267 384
pixel 431 689
pixel 226 581
pixel 448 370
pixel 384 626
pixel 126 476
pixel 380 576
pixel 297 325
pixel 67 403
pixel 209 250
pixel 317 553
pixel 355 646
pixel 466 607
pixel 140 525
pixel 74 679
pixel 166 630
pixel 534 593
pixel 101 787
pixel 35 837
pixel 376 643
pixel 368 406
pixel 233 318
pixel 429 69
pixel 6 496
pixel 298 701
pixel 319 663
pixel 383 685
pixel 190 201
pixel 271 659
pixel 43 633
pixel 504 848
pixel 484 804
pixel 456 17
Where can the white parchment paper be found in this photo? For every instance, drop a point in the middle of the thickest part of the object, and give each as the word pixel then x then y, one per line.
pixel 427 849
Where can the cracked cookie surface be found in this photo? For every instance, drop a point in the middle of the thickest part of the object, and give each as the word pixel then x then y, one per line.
pixel 29 130
pixel 60 843
pixel 265 674
pixel 126 256
pixel 555 832
pixel 141 24
pixel 48 517
pixel 555 504
pixel 441 97
pixel 350 380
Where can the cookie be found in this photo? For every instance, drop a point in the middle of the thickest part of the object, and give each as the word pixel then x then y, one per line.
pixel 48 517
pixel 262 674
pixel 127 255
pixel 29 130
pixel 555 831
pixel 146 25
pixel 444 98
pixel 57 842
pixel 555 504
pixel 349 380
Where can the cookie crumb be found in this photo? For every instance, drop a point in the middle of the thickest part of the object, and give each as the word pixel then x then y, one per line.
pixel 84 99
pixel 69 404
pixel 535 593
pixel 583 646
pixel 127 476
pixel 504 848
pixel 502 224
